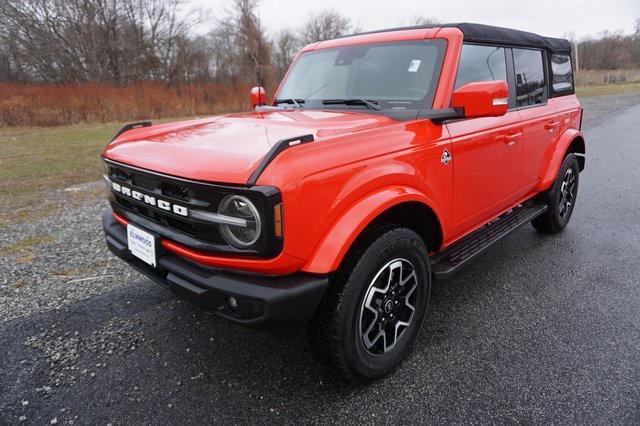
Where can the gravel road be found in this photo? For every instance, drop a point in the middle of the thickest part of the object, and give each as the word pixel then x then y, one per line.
pixel 539 329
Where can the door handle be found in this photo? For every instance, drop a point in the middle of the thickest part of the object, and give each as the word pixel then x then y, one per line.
pixel 511 139
pixel 551 125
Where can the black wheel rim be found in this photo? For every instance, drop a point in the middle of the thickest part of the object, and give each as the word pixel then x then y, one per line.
pixel 388 307
pixel 567 194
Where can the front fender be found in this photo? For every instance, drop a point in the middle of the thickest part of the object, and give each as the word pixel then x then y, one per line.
pixel 332 248
pixel 554 158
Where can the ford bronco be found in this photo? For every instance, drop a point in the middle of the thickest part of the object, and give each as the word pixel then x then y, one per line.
pixel 385 160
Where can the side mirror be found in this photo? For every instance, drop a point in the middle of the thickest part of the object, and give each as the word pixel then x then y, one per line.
pixel 257 96
pixel 482 99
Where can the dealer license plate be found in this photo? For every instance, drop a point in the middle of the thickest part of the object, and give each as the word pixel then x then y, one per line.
pixel 141 244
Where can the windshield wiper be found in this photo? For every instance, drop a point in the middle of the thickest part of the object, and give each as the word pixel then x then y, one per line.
pixel 353 101
pixel 295 102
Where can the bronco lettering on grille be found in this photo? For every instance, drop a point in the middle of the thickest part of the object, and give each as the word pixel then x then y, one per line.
pixel 150 200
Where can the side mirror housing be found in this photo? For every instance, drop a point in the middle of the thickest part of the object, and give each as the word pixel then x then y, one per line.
pixel 482 99
pixel 257 97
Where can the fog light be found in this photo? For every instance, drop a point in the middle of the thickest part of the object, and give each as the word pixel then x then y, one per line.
pixel 232 303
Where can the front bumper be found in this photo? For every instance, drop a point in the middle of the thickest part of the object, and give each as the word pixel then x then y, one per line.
pixel 280 305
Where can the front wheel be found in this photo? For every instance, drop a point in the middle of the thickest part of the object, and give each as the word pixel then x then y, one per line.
pixel 560 198
pixel 375 306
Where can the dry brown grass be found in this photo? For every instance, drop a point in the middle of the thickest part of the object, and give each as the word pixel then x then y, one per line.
pixel 53 105
pixel 607 89
pixel 603 77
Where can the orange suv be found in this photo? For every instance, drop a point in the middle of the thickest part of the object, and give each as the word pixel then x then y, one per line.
pixel 383 161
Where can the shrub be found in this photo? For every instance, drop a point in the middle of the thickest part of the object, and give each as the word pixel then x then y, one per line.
pixel 52 105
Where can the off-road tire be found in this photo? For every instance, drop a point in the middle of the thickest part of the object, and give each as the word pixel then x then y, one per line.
pixel 555 219
pixel 335 331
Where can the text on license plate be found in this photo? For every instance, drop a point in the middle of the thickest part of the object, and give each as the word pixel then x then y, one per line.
pixel 141 244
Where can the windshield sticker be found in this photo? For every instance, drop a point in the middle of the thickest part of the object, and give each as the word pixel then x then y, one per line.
pixel 414 65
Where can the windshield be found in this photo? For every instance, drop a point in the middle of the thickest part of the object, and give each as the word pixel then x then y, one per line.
pixel 400 75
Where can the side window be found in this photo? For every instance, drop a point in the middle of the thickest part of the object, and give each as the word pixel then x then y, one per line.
pixel 481 63
pixel 562 74
pixel 530 87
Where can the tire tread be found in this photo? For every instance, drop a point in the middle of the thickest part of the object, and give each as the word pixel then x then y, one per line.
pixel 325 331
pixel 548 223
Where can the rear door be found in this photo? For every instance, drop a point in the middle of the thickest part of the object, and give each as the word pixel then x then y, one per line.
pixel 540 124
pixel 487 151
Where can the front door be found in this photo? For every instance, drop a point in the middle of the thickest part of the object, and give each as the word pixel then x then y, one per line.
pixel 487 155
pixel 487 152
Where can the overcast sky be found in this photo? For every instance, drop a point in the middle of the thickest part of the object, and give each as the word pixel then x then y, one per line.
pixel 546 17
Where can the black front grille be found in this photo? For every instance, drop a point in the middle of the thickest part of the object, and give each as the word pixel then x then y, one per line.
pixel 175 190
pixel 144 182
pixel 178 192
pixel 193 195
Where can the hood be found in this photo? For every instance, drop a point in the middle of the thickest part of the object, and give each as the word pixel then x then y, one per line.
pixel 227 149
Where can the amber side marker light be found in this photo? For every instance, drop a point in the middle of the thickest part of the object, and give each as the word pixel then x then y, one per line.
pixel 277 220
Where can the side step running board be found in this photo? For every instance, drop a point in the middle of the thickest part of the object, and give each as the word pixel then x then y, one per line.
pixel 448 261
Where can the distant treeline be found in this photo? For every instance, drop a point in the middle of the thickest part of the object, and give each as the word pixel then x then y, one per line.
pixel 127 41
pixel 610 51
pixel 69 61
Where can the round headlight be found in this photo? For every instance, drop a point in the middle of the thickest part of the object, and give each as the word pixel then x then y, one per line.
pixel 240 207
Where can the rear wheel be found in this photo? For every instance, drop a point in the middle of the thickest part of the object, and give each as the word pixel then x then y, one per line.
pixel 375 306
pixel 560 198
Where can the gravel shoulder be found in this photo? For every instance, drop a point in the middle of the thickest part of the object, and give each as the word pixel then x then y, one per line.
pixel 57 260
pixel 540 329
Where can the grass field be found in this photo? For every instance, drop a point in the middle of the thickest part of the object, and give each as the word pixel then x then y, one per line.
pixel 33 159
pixel 607 89
pixel 36 159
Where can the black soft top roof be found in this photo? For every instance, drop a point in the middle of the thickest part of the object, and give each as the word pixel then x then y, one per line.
pixel 489 34
pixel 480 33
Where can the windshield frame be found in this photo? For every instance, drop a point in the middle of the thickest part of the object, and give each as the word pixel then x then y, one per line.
pixel 388 108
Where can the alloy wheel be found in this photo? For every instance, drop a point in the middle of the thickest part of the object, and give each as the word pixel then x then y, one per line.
pixel 567 194
pixel 388 306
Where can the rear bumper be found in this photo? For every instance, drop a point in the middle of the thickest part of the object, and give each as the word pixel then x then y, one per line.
pixel 280 305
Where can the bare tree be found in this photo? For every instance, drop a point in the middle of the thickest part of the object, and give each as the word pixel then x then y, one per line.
pixel 325 25
pixel 424 21
pixel 94 40
pixel 285 47
pixel 123 41
pixel 240 50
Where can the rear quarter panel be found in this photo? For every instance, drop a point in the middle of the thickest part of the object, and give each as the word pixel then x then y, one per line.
pixel 538 141
pixel 569 109
pixel 569 112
